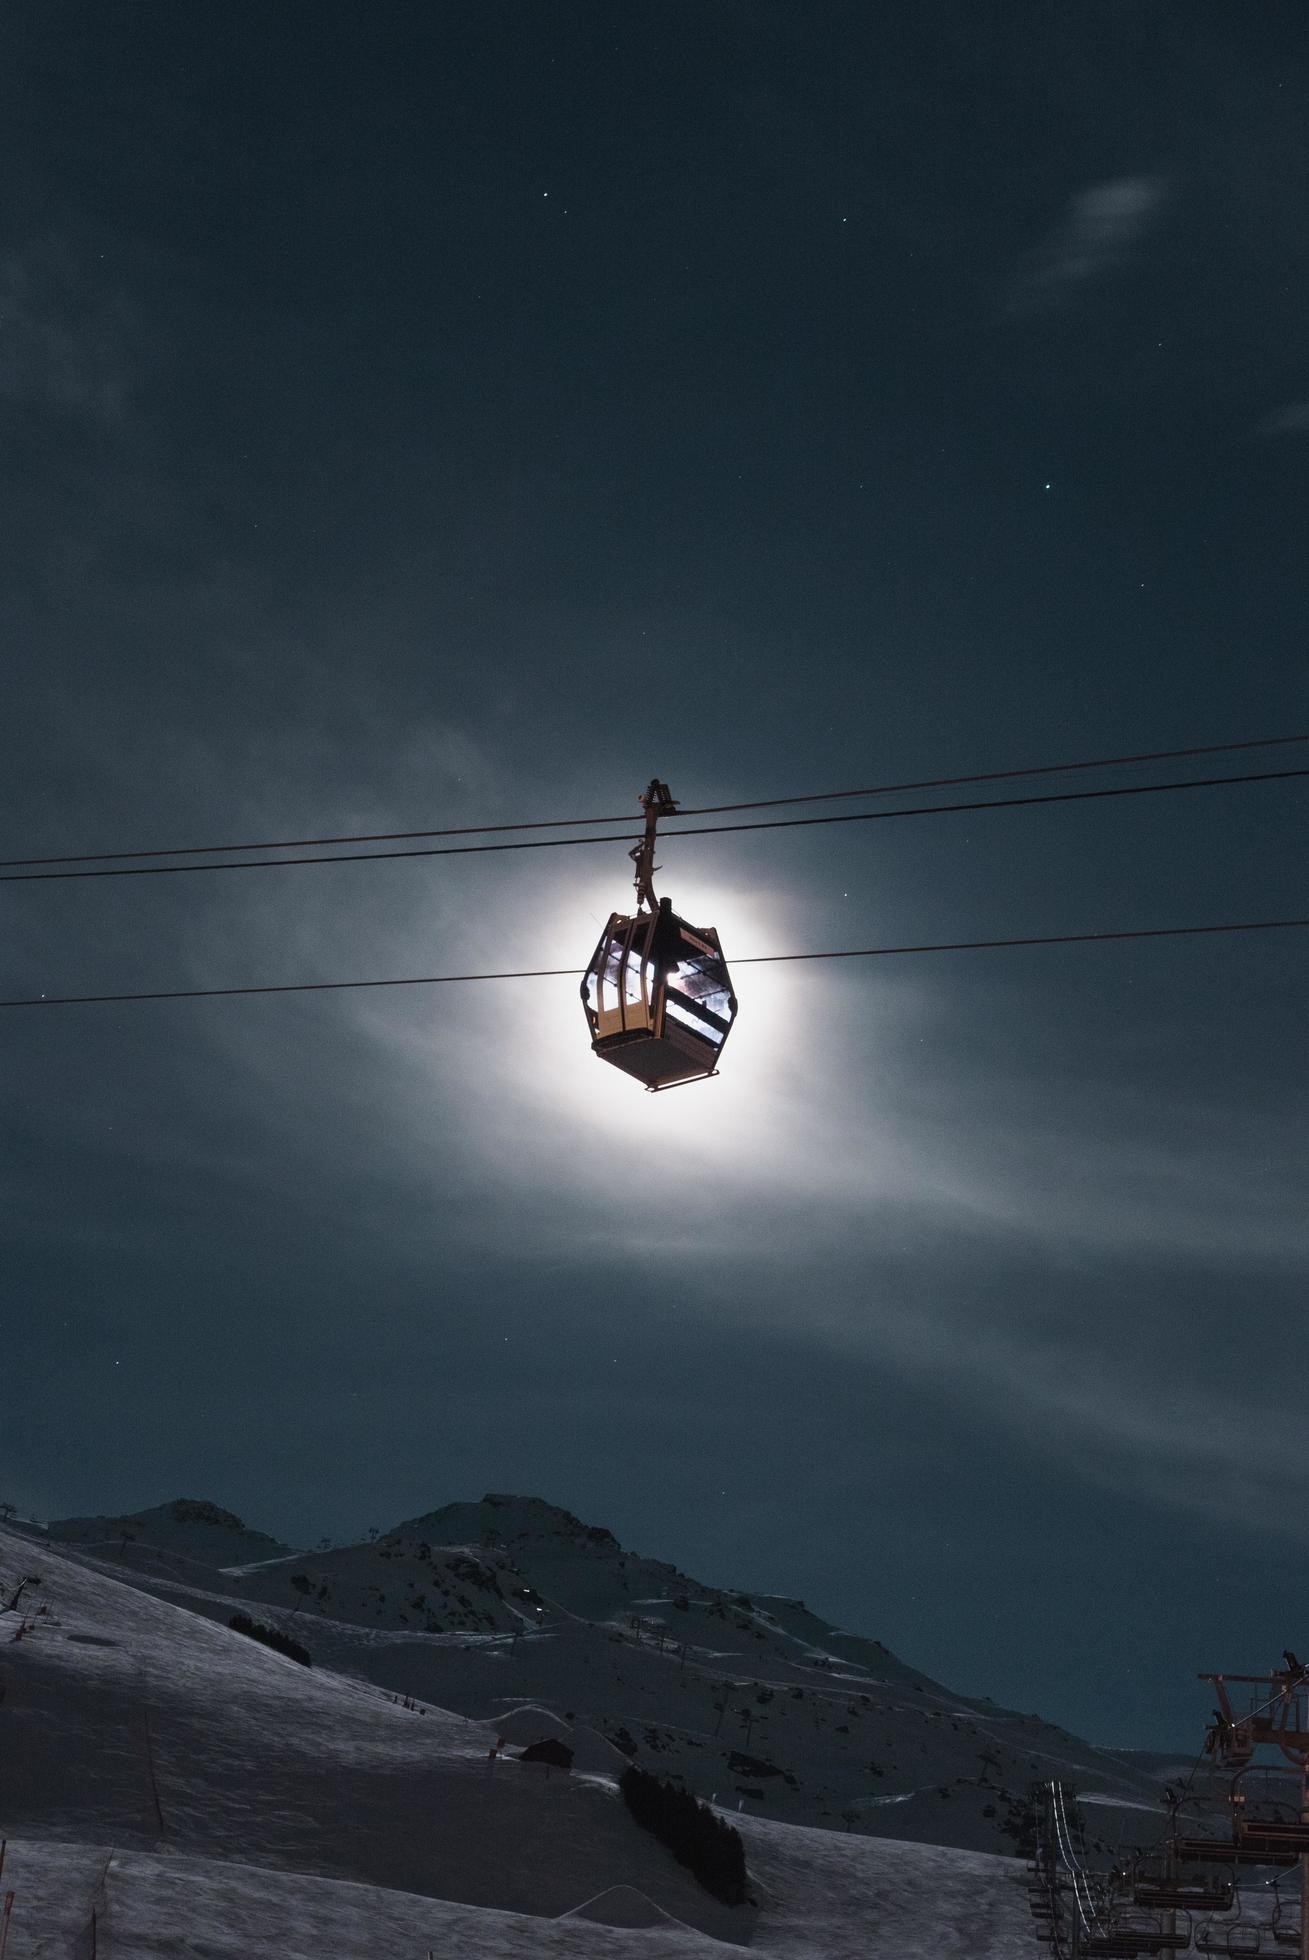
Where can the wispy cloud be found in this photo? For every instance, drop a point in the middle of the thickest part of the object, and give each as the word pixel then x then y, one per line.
pixel 1096 235
pixel 62 338
pixel 917 1171
pixel 1292 419
pixel 1222 1449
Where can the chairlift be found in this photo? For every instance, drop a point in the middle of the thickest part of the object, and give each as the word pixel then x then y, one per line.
pixel 1238 1940
pixel 1275 1834
pixel 1178 1895
pixel 1285 1923
pixel 1244 1850
pixel 1123 1934
pixel 1174 1939
pixel 1134 1942
pixel 657 994
pixel 1227 1940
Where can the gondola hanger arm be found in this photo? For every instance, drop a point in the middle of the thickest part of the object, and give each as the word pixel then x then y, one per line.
pixel 657 801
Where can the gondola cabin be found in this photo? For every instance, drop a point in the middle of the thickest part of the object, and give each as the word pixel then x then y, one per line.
pixel 658 997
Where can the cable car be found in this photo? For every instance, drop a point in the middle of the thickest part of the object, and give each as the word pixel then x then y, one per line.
pixel 657 993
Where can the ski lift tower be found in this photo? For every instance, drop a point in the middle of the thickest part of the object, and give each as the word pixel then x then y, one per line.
pixel 1276 1719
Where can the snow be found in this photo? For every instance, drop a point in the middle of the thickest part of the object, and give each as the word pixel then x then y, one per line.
pixel 591 1751
pixel 1117 1803
pixel 205 1796
pixel 820 1728
pixel 623 1905
pixel 149 1906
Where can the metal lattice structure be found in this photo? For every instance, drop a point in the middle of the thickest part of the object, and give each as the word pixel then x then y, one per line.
pixel 1218 1893
pixel 1080 1912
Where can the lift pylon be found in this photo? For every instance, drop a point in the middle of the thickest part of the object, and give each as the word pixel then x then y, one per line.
pixel 1277 1718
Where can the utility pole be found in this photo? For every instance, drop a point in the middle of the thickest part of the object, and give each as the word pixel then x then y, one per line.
pixel 1278 1718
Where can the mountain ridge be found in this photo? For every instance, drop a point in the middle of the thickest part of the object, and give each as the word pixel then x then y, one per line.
pixel 747 1698
pixel 185 1525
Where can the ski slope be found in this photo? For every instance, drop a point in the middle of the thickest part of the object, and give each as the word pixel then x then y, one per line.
pixel 200 1794
pixel 751 1701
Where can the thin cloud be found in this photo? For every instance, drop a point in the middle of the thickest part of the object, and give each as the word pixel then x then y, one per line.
pixel 1097 234
pixel 893 1165
pixel 1227 1453
pixel 1290 420
pixel 61 341
pixel 1075 1391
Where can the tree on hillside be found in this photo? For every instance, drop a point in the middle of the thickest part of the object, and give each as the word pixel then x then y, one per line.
pixel 695 1834
pixel 300 1583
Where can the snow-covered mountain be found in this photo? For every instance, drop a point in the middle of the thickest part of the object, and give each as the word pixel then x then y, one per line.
pixel 188 1528
pixel 755 1702
pixel 170 1787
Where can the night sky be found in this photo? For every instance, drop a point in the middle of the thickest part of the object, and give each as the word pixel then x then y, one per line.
pixel 431 415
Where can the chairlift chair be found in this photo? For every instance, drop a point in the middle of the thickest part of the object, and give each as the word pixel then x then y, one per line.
pixel 1132 1943
pixel 657 994
pixel 1245 1850
pixel 1273 1833
pixel 1141 1940
pixel 1285 1923
pixel 1214 1939
pixel 1177 1895
pixel 1239 1940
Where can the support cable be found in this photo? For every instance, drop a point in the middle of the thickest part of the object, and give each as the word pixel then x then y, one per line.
pixel 1081 1886
pixel 701 810
pixel 692 830
pixel 752 959
pixel 1161 1838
